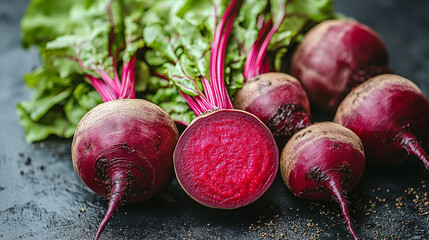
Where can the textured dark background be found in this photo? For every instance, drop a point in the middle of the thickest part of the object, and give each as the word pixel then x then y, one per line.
pixel 41 196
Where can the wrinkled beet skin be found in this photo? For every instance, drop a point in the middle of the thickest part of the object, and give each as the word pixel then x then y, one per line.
pixel 131 135
pixel 265 106
pixel 226 159
pixel 325 155
pixel 382 115
pixel 330 61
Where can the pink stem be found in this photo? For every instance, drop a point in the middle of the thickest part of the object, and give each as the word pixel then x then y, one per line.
pixel 225 100
pixel 217 58
pixel 115 77
pixel 216 93
pixel 108 88
pixel 128 79
pixel 192 104
pixel 105 93
pixel 249 66
pixel 256 62
pixel 109 81
pixel 208 89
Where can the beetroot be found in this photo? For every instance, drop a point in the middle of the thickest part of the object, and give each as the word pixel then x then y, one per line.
pixel 277 99
pixel 323 161
pixel 123 148
pixel 391 115
pixel 226 158
pixel 336 56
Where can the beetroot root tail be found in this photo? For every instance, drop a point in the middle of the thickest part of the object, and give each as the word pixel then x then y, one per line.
pixel 119 187
pixel 412 145
pixel 337 191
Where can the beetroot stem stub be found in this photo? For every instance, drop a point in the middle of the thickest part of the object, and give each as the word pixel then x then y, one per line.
pixel 226 159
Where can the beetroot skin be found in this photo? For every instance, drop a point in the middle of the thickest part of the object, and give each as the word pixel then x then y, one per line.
pixel 391 116
pixel 336 56
pixel 226 159
pixel 323 161
pixel 123 149
pixel 279 101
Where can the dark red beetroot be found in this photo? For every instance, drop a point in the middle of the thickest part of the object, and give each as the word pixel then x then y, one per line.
pixel 323 161
pixel 336 56
pixel 277 99
pixel 123 150
pixel 226 158
pixel 391 116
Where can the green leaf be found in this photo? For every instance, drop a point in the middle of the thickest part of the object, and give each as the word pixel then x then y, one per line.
pixel 51 123
pixel 57 106
pixel 45 20
pixel 36 109
pixel 180 78
pixel 172 39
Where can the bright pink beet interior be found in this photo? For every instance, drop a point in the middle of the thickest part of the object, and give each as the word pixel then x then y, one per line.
pixel 226 159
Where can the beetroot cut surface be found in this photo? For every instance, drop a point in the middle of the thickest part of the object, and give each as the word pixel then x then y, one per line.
pixel 226 159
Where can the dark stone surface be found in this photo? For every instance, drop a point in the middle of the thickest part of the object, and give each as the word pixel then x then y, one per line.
pixel 41 197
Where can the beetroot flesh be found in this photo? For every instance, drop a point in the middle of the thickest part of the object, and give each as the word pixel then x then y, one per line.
pixel 123 149
pixel 336 56
pixel 391 115
pixel 279 101
pixel 226 159
pixel 323 161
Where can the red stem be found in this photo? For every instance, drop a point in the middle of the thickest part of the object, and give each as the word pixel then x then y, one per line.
pixel 115 77
pixel 128 79
pixel 249 66
pixel 110 83
pixel 333 184
pixel 111 88
pixel 216 94
pixel 105 92
pixel 256 62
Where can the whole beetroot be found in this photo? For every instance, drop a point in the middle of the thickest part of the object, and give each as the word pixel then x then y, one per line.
pixel 391 116
pixel 123 150
pixel 323 161
pixel 336 56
